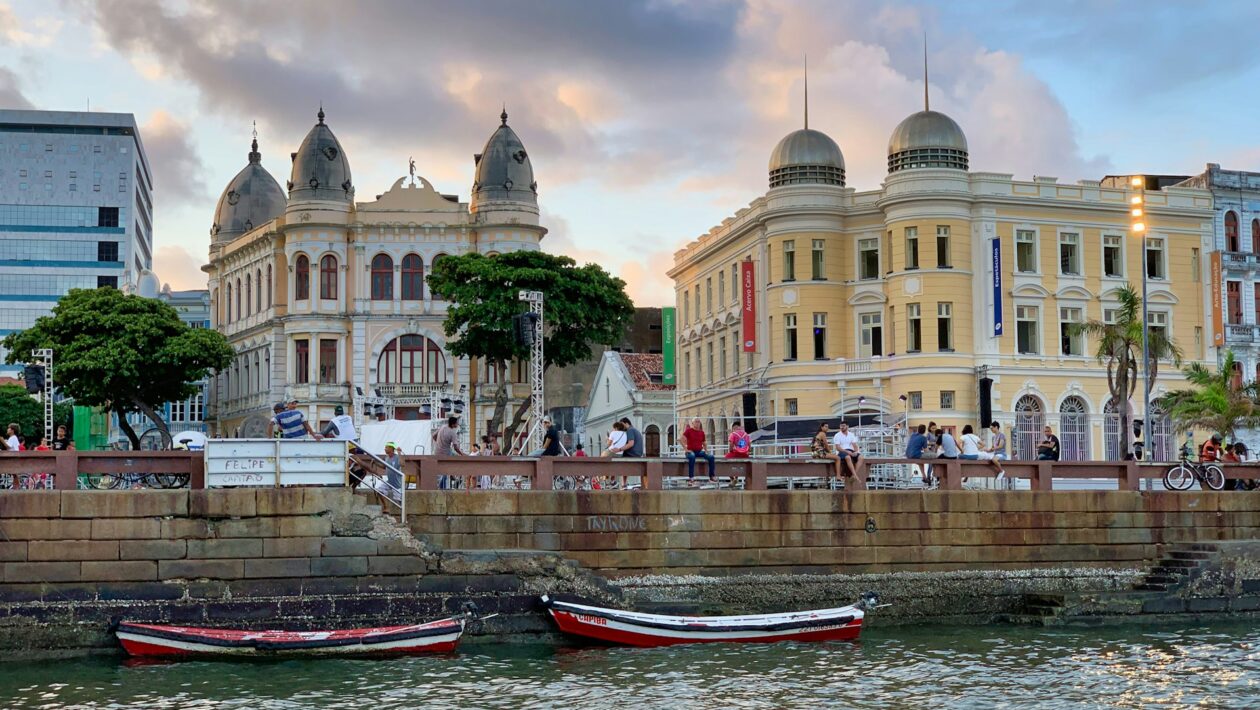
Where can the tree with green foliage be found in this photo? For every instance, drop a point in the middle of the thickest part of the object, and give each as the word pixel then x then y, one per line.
pixel 122 352
pixel 582 306
pixel 1217 402
pixel 1120 346
pixel 19 407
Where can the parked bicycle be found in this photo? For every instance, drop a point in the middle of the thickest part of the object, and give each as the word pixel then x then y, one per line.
pixel 106 481
pixel 1182 476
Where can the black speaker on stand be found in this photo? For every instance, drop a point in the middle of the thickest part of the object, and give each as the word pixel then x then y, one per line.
pixel 986 401
pixel 750 412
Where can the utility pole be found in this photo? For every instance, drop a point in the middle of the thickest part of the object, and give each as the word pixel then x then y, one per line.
pixel 1137 224
pixel 535 301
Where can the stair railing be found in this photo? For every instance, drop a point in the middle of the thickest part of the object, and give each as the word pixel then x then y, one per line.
pixel 396 495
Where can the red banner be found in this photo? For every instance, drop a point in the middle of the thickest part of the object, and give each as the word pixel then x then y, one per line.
pixel 749 296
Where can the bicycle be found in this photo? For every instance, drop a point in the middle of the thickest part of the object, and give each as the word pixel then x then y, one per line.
pixel 114 481
pixel 1185 473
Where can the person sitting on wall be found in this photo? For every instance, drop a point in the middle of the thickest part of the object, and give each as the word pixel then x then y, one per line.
pixel 1211 449
pixel 847 448
pixel 971 451
pixel 820 448
pixel 693 435
pixel 738 443
pixel 1048 449
pixel 918 442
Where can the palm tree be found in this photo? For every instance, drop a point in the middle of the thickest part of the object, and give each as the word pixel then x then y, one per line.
pixel 1120 346
pixel 1217 402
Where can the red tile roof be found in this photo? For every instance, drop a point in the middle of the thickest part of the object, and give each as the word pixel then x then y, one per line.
pixel 640 366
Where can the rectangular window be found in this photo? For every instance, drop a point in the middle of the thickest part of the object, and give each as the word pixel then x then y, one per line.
pixel 697 306
pixel 1026 251
pixel 872 335
pixel 1158 324
pixel 722 358
pixel 686 309
pixel 914 328
pixel 868 259
pixel 1070 254
pixel 301 361
pixel 942 247
pixel 947 399
pixel 107 251
pixel 107 216
pixel 687 381
pixel 818 262
pixel 107 281
pixel 1113 256
pixel 916 401
pixel 1109 316
pixel 721 287
pixel 912 248
pixel 789 336
pixel 1233 302
pixel 945 327
pixel 710 353
pixel 1154 258
pixel 820 336
pixel 791 406
pixel 1027 326
pixel 735 283
pixel 789 260
pixel 1071 343
pixel 327 361
pixel 708 295
pixel 1194 265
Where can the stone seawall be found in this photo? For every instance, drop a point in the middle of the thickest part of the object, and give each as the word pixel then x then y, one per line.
pixel 73 561
pixel 723 533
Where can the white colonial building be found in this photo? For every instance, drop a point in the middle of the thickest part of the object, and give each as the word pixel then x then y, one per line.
pixel 629 385
pixel 324 298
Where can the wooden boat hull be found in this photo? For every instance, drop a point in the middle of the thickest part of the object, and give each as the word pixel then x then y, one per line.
pixel 626 628
pixel 152 640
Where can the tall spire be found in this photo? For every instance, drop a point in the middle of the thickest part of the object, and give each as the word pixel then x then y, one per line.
pixel 254 155
pixel 925 73
pixel 503 116
pixel 806 92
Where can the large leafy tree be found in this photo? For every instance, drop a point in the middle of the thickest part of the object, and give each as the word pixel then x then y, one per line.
pixel 19 407
pixel 1216 402
pixel 122 352
pixel 1120 347
pixel 582 306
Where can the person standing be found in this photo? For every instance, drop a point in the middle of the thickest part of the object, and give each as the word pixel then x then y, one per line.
pixel 847 448
pixel 341 426
pixel 1048 449
pixel 11 437
pixel 448 445
pixel 292 424
pixel 393 470
pixel 693 435
pixel 917 443
pixel 633 448
pixel 62 441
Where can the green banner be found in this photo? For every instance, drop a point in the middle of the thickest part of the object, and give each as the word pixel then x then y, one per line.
pixel 667 346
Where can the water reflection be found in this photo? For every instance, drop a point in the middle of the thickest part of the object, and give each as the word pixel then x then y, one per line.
pixel 1135 667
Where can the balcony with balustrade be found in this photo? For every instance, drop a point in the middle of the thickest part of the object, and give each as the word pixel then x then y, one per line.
pixel 1242 334
pixel 1240 262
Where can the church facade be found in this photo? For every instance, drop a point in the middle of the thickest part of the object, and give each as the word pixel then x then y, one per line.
pixel 324 298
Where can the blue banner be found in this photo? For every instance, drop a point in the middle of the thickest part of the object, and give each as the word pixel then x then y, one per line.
pixel 997 288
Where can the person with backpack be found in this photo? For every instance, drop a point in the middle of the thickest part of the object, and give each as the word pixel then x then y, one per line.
pixel 739 443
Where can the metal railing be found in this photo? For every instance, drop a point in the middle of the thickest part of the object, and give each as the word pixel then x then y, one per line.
pixel 396 495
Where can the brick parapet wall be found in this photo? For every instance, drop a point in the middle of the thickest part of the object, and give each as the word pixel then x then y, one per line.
pixel 822 532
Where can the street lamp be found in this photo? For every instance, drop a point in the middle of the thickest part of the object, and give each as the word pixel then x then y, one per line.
pixel 905 402
pixel 1137 225
pixel 861 402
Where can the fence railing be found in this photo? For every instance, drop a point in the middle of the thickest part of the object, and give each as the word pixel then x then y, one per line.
pixel 66 467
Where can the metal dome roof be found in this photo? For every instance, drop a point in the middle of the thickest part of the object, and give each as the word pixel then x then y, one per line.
pixel 503 168
pixel 806 146
pixel 251 199
pixel 927 129
pixel 320 169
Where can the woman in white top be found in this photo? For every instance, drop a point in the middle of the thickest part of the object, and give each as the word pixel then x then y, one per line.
pixel 971 444
pixel 616 440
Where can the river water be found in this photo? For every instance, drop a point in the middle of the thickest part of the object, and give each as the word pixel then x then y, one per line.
pixel 1211 666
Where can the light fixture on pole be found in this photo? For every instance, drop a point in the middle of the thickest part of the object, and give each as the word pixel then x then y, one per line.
pixel 1138 226
pixel 905 402
pixel 861 404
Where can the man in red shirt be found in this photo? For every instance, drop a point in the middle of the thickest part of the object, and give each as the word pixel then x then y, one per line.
pixel 1211 449
pixel 693 435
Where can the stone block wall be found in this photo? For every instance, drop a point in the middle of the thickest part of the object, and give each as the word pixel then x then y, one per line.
pixel 821 532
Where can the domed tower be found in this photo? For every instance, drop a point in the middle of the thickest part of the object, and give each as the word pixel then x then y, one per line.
pixel 320 168
pixel 251 199
pixel 806 157
pixel 927 139
pixel 504 173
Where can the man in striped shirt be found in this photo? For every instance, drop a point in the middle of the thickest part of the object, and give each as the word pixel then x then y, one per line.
pixel 292 424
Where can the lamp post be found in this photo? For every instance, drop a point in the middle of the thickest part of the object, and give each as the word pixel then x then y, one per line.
pixel 861 403
pixel 1137 224
pixel 905 402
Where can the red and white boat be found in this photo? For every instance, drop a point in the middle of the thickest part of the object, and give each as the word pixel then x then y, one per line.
pixel 628 628
pixel 172 641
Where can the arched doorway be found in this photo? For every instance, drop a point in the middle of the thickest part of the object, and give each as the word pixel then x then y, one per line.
pixel 652 440
pixel 1029 419
pixel 1111 431
pixel 1162 436
pixel 1074 429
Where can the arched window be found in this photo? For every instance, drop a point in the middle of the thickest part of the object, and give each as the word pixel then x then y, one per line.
pixel 328 277
pixel 382 278
pixel 269 285
pixel 249 294
pixel 239 312
pixel 1231 232
pixel 302 278
pixel 1074 429
pixel 1029 419
pixel 227 304
pixel 411 359
pixel 412 278
pixel 258 293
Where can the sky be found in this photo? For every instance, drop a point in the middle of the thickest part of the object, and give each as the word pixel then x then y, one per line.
pixel 647 122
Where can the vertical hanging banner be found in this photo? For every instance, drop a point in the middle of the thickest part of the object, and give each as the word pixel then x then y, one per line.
pixel 748 296
pixel 1218 318
pixel 668 376
pixel 997 287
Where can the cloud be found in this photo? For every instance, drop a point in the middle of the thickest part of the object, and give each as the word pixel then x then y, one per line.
pixel 10 92
pixel 43 32
pixel 175 266
pixel 179 174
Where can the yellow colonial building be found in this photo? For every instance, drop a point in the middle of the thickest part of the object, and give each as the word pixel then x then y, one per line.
pixel 941 292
